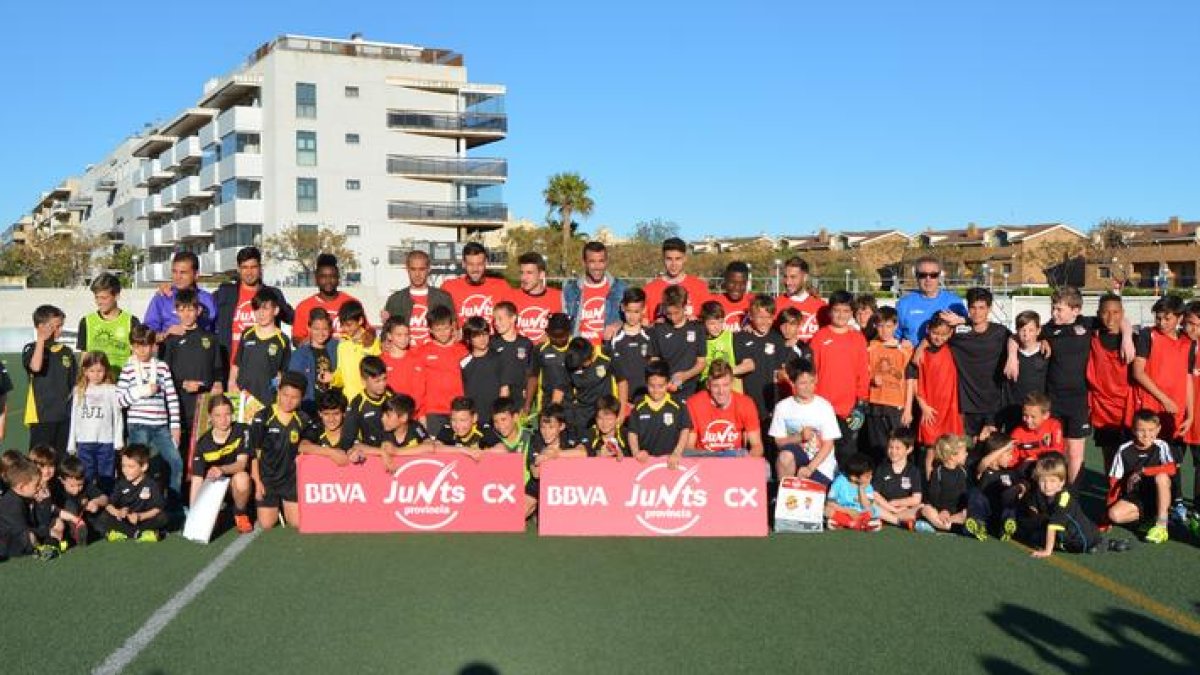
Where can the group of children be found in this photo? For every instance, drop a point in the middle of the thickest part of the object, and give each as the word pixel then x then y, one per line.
pixel 973 429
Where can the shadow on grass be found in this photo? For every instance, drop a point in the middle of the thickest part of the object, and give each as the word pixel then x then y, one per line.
pixel 1132 643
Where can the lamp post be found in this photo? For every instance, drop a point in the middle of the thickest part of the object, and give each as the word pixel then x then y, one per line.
pixel 778 271
pixel 847 271
pixel 135 258
pixel 987 275
pixel 1006 282
pixel 375 270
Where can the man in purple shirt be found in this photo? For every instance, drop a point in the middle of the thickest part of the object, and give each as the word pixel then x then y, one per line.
pixel 161 316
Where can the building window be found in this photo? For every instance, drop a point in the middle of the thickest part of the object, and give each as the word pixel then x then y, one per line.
pixel 306 148
pixel 352 139
pixel 1006 268
pixel 351 92
pixel 353 184
pixel 1104 272
pixel 397 257
pixel 307 228
pixel 306 195
pixel 353 230
pixel 306 100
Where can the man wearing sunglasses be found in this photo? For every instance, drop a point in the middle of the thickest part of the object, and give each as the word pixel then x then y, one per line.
pixel 919 306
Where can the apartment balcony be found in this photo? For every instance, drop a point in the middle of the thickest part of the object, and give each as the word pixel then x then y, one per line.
pixel 151 174
pixel 172 196
pixel 240 211
pixel 239 118
pixel 155 272
pixel 190 227
pixel 157 207
pixel 216 262
pixel 208 177
pixel 475 128
pixel 154 238
pixel 208 219
pixel 449 169
pixel 455 214
pixel 240 165
pixel 185 152
pixel 190 190
pixel 153 145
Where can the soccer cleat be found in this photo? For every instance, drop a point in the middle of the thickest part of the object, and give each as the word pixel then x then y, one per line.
pixel 924 527
pixel 873 525
pixel 242 522
pixel 1157 534
pixel 148 536
pixel 1193 524
pixel 114 535
pixel 1010 528
pixel 1118 545
pixel 1178 514
pixel 841 520
pixel 46 552
pixel 976 528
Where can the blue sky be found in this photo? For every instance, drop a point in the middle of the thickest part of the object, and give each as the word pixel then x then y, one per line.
pixel 731 119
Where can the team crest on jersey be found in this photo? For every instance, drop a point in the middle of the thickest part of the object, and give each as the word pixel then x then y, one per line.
pixel 66 360
pixel 691 336
pixel 905 483
pixel 601 371
pixel 145 493
pixel 668 418
pixel 521 353
pixel 1006 480
pixel 645 350
pixel 1080 330
pixel 769 349
pixel 272 349
pixel 206 343
pixel 294 437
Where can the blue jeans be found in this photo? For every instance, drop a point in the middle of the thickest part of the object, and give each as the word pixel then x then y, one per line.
pixel 99 463
pixel 159 440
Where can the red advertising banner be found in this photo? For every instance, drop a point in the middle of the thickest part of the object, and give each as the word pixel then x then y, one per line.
pixel 426 493
pixel 600 496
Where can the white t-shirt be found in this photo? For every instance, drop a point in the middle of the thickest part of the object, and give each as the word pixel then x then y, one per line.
pixel 792 416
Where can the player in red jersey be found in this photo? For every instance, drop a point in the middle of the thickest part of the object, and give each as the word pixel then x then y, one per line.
pixel 1108 379
pixel 937 389
pixel 796 294
pixel 735 300
pixel 843 376
pixel 674 252
pixel 1038 434
pixel 475 293
pixel 535 301
pixel 724 422
pixel 327 297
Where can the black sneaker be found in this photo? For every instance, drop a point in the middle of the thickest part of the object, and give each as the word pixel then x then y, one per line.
pixel 1118 545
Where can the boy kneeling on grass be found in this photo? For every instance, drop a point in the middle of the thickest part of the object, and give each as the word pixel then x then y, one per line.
pixel 136 507
pixel 1140 478
pixel 1053 516
pixel 850 502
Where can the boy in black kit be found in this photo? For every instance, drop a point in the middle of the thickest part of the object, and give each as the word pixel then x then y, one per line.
pixel 264 352
pixel 549 381
pixel 275 440
pixel 1031 370
pixel 79 501
pixel 329 438
pixel 680 343
pixel 980 349
pixel 482 378
pixel 464 435
pixel 52 374
pixel 136 506
pixel 629 349
pixel 515 351
pixel 196 361
pixel 364 423
pixel 766 347
pixel 999 487
pixel 1053 516
pixel 591 378
pixel 659 423
pixel 606 437
pixel 16 536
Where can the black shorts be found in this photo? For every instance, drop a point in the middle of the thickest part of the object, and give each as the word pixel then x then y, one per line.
pixel 533 488
pixel 1073 412
pixel 277 492
pixel 881 421
pixel 1144 496
pixel 1110 437
pixel 973 423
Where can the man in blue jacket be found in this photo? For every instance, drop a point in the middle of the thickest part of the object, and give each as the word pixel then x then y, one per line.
pixel 921 305
pixel 232 299
pixel 593 301
pixel 161 316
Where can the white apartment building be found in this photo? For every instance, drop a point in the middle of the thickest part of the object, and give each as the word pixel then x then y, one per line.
pixel 368 138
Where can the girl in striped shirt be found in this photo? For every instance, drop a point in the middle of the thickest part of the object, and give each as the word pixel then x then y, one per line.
pixel 147 390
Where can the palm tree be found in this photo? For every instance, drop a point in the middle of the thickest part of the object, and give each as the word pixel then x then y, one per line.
pixel 568 193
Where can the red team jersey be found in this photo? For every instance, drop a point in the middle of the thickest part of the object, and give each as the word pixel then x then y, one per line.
pixel 736 313
pixel 696 288
pixel 592 301
pixel 533 311
pixel 1191 435
pixel 1167 365
pixel 476 299
pixel 937 384
pixel 814 309
pixel 243 318
pixel 722 428
pixel 442 365
pixel 406 376
pixel 1029 444
pixel 841 363
pixel 307 305
pixel 1108 386
pixel 418 320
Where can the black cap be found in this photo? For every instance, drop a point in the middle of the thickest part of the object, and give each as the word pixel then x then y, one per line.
pixel 558 323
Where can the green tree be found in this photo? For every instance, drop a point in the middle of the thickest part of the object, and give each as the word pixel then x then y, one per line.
pixel 567 193
pixel 58 260
pixel 120 261
pixel 301 246
pixel 655 231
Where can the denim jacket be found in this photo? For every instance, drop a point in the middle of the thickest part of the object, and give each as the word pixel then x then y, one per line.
pixel 573 296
